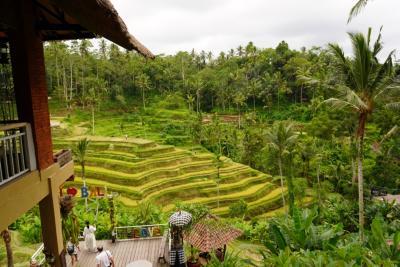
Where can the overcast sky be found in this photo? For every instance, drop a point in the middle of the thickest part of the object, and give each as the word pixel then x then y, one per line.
pixel 168 26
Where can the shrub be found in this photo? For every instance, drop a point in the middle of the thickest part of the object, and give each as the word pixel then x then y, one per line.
pixel 238 209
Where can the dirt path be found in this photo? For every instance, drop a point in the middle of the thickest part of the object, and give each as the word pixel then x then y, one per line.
pixel 224 118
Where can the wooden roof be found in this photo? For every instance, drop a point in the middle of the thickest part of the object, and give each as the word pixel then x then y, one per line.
pixel 211 233
pixel 76 19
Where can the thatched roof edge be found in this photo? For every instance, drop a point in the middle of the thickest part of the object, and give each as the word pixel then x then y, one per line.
pixel 100 17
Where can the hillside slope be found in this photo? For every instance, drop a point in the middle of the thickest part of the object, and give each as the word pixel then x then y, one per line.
pixel 140 169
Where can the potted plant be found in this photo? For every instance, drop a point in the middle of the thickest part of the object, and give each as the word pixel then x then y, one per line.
pixel 193 260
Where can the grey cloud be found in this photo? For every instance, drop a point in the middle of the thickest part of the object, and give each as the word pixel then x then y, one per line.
pixel 167 26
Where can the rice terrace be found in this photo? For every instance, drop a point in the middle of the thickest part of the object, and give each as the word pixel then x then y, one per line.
pixel 237 134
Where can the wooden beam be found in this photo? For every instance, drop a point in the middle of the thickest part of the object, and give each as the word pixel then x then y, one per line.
pixel 7 11
pixel 60 27
pixel 49 36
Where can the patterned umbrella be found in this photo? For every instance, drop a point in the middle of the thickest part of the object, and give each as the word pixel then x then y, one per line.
pixel 180 218
pixel 210 233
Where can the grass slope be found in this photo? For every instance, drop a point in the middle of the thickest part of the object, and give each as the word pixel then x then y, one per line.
pixel 143 170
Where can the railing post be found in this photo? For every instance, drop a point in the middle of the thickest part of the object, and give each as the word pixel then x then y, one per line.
pixel 17 151
pixel 30 148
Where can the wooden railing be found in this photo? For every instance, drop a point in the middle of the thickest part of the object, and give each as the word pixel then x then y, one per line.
pixel 17 154
pixel 140 231
pixel 63 157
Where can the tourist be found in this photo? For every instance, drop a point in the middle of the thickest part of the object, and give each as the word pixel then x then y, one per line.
pixel 104 258
pixel 90 238
pixel 72 250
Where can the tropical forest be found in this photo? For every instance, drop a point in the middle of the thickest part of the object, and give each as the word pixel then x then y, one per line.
pixel 295 150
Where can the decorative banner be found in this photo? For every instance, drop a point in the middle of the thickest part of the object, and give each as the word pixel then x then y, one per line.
pixel 84 192
pixel 72 191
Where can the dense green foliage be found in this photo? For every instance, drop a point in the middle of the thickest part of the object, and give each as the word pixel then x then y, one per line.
pixel 261 107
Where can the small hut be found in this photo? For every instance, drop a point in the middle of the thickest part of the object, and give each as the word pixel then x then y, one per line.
pixel 211 234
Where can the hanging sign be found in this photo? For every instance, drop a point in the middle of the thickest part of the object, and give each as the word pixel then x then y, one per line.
pixel 72 191
pixel 84 192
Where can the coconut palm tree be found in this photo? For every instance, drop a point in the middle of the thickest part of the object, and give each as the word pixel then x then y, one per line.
pixel 282 138
pixel 80 154
pixel 143 82
pixel 367 82
pixel 190 100
pixel 218 163
pixel 5 234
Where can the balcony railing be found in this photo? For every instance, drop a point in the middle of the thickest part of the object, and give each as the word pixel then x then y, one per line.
pixel 16 151
pixel 140 231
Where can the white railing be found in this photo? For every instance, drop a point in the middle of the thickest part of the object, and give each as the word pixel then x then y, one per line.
pixel 17 154
pixel 38 257
pixel 140 231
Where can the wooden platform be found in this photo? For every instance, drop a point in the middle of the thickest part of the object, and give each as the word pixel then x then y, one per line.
pixel 123 252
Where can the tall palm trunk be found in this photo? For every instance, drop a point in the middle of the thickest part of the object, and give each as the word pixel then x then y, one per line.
pixel 254 103
pixel 277 95
pixel 360 138
pixel 360 191
pixel 281 177
pixel 353 164
pixel 319 187
pixel 238 107
pixel 7 241
pixel 290 185
pixel 218 187
pixel 301 94
pixel 92 119
pixel 143 99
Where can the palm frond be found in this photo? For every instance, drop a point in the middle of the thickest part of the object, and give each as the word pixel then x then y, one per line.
pixel 378 43
pixel 336 103
pixel 342 62
pixel 356 9
pixel 393 106
pixel 362 62
pixel 350 96
pixel 383 77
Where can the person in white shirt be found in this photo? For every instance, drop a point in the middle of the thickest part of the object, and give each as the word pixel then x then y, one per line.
pixel 104 258
pixel 90 238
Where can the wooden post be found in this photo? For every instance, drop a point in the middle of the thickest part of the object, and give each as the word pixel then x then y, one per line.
pixel 51 225
pixel 29 75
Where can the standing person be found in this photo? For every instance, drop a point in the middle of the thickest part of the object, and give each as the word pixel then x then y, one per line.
pixel 72 250
pixel 90 238
pixel 104 258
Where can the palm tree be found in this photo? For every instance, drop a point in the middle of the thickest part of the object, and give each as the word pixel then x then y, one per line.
pixel 143 82
pixel 282 138
pixel 218 163
pixel 367 82
pixel 80 154
pixel 190 100
pixel 5 234
pixel 356 9
pixel 254 88
pixel 239 100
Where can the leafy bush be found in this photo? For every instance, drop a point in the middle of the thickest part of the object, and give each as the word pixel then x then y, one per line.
pixel 389 212
pixel 337 209
pixel 172 101
pixel 230 260
pixel 299 232
pixel 238 209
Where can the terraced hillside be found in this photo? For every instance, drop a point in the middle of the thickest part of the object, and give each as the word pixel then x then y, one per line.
pixel 142 170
